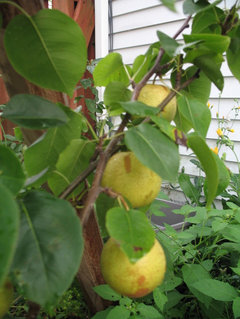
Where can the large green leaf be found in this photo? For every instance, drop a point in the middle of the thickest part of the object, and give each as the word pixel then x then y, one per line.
pixel 232 233
pixel 216 289
pixel 196 113
pixel 236 307
pixel 193 273
pixel 47 49
pixel 44 152
pixel 204 19
pixel 233 57
pixel 34 112
pixel 132 230
pixel 49 248
pixel 214 42
pixel 208 162
pixel 154 150
pixel 72 161
pixel 207 63
pixel 11 173
pixel 110 69
pixel 9 224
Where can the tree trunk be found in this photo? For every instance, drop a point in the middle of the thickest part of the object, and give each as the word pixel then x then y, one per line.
pixel 89 273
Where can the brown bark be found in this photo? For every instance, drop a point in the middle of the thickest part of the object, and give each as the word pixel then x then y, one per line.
pixel 89 273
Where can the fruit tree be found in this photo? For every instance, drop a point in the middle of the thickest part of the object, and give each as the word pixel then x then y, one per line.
pixel 76 185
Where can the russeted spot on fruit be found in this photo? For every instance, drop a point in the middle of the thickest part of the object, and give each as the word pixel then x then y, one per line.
pixel 126 175
pixel 154 94
pixel 6 298
pixel 132 279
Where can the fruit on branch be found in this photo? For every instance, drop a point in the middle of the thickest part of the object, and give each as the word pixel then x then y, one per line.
pixel 154 94
pixel 6 298
pixel 125 175
pixel 132 279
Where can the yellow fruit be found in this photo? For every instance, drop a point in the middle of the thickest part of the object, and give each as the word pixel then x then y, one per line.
pixel 153 95
pixel 6 298
pixel 125 175
pixel 132 280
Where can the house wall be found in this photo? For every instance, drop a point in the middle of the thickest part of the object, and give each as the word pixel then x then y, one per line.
pixel 133 28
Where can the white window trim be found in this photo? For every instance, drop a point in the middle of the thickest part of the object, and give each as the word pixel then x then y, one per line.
pixel 101 28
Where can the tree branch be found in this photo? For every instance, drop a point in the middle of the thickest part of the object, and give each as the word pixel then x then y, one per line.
pixel 105 155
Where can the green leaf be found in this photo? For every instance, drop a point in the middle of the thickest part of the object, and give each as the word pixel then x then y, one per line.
pixel 188 188
pixel 204 19
pixel 181 122
pixel 140 67
pixel 9 225
pixel 154 150
pixel 34 112
pixel 159 298
pixel 236 308
pixel 199 89
pixel 170 282
pixel 73 160
pixel 196 113
pixel 50 248
pixel 113 94
pixel 139 108
pixel 107 293
pixel 149 312
pixel 223 175
pixel 102 314
pixel 173 299
pixel 103 204
pixel 206 157
pixel 209 66
pixel 214 42
pixel 236 270
pixel 169 130
pixel 191 7
pixel 232 233
pixel 110 69
pixel 44 153
pixel 11 173
pixel 48 49
pixel 119 312
pixel 170 4
pixel 132 230
pixel 168 44
pixel 232 57
pixel 193 273
pixel 216 289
